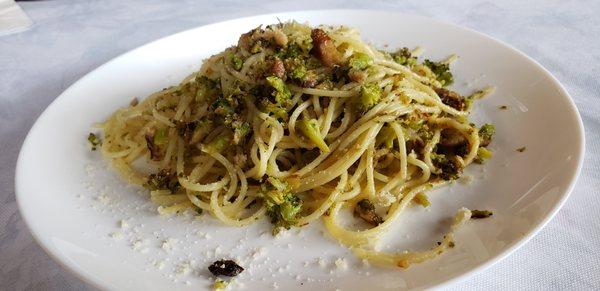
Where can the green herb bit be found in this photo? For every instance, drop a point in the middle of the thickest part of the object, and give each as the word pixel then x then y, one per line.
pixel 521 149
pixel 94 141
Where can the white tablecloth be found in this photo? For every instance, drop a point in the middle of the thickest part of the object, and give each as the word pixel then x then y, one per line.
pixel 70 38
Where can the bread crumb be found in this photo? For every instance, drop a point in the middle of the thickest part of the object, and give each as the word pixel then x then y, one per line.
pixel 167 244
pixel 341 264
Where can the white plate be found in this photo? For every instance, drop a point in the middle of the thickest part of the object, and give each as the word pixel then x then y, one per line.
pixel 73 203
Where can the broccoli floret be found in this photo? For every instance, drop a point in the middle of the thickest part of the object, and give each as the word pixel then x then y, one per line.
pixel 282 94
pixel 449 166
pixel 404 57
pixel 360 61
pixel 94 141
pixel 299 72
pixel 486 132
pixel 283 206
pixel 310 128
pixel 441 71
pixel 482 155
pixel 370 94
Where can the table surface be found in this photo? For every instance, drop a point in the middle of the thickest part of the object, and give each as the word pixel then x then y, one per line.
pixel 71 38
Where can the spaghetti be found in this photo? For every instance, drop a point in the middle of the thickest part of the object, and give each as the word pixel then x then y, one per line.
pixel 298 123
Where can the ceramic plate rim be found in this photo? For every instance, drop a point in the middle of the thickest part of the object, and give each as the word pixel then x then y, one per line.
pixel 81 274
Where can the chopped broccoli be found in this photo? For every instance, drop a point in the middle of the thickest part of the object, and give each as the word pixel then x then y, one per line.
pixel 453 99
pixel 478 214
pixel 486 132
pixel 441 71
pixel 404 57
pixel 165 179
pixel 370 94
pixel 422 199
pixel 282 94
pixel 298 35
pixel 206 88
pixel 414 124
pixel 275 110
pixel 161 136
pixel 186 129
pixel 240 130
pixel 94 141
pixel 236 62
pixel 293 50
pixel 386 136
pixel 360 61
pixel 449 166
pixel 220 284
pixel 425 133
pixel 222 106
pixel 202 128
pixel 299 72
pixel 310 128
pixel 219 143
pixel 366 210
pixel 156 154
pixel 283 206
pixel 482 155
